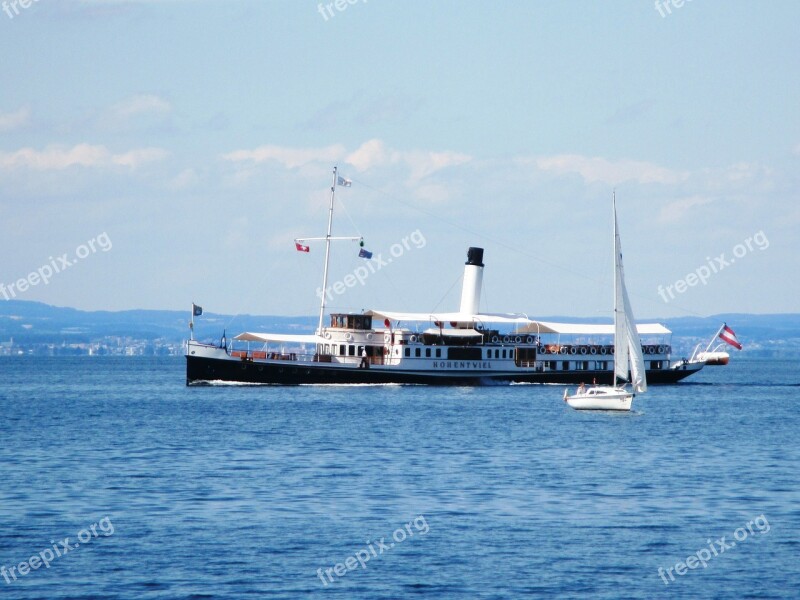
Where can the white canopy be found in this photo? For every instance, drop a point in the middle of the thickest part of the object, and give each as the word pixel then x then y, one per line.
pixel 284 338
pixel 452 317
pixel 589 328
pixel 453 332
pixel 525 325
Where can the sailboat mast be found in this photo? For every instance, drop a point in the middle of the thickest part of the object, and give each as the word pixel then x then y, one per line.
pixel 617 355
pixel 327 253
pixel 622 326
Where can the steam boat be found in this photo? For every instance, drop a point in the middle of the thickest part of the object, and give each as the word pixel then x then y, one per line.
pixel 465 347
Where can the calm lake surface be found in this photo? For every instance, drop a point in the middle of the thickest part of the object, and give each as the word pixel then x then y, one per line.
pixel 165 491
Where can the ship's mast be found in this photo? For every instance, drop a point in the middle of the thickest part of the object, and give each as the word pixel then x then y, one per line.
pixel 328 239
pixel 327 253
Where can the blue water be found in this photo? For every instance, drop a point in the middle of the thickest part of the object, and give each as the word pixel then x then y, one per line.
pixel 499 492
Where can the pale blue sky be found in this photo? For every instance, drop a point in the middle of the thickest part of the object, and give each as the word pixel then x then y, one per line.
pixel 199 136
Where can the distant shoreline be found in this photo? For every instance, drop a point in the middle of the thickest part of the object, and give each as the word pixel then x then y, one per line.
pixel 35 328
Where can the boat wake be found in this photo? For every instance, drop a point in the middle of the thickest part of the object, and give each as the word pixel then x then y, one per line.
pixel 357 385
pixel 223 383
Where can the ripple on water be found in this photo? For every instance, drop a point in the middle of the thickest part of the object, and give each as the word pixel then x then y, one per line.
pixel 228 492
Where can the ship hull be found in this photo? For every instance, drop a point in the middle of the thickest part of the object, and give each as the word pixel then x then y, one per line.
pixel 201 370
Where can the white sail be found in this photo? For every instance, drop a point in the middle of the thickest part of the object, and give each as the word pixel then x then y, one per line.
pixel 638 377
pixel 627 346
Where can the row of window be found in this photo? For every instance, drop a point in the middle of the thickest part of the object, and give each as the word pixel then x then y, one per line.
pixel 579 365
pixel 340 350
pixel 590 365
pixel 342 321
pixel 437 352
pixel 553 365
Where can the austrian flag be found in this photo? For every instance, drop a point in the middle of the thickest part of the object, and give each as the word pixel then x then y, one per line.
pixel 301 248
pixel 727 335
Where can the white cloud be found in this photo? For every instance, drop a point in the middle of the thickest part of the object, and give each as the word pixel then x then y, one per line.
pixel 55 158
pixel 741 172
pixel 135 158
pixel 185 179
pixel 738 180
pixel 14 120
pixel 370 154
pixel 422 163
pixel 676 210
pixel 288 157
pixel 426 163
pixel 602 170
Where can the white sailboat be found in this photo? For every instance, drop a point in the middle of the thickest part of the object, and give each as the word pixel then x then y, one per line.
pixel 627 353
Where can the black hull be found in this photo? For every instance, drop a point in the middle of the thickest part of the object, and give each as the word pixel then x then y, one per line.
pixel 201 371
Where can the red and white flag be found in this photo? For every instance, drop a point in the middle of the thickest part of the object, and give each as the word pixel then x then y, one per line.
pixel 301 248
pixel 727 335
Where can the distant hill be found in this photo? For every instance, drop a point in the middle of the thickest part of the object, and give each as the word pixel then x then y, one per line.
pixel 35 322
pixel 38 323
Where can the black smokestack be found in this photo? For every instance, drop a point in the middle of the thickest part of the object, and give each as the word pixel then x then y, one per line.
pixel 475 257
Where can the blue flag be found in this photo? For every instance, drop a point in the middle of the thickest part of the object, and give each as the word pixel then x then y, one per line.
pixel 197 310
pixel 364 253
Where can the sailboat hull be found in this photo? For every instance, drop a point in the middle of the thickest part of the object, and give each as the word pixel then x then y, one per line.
pixel 601 399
